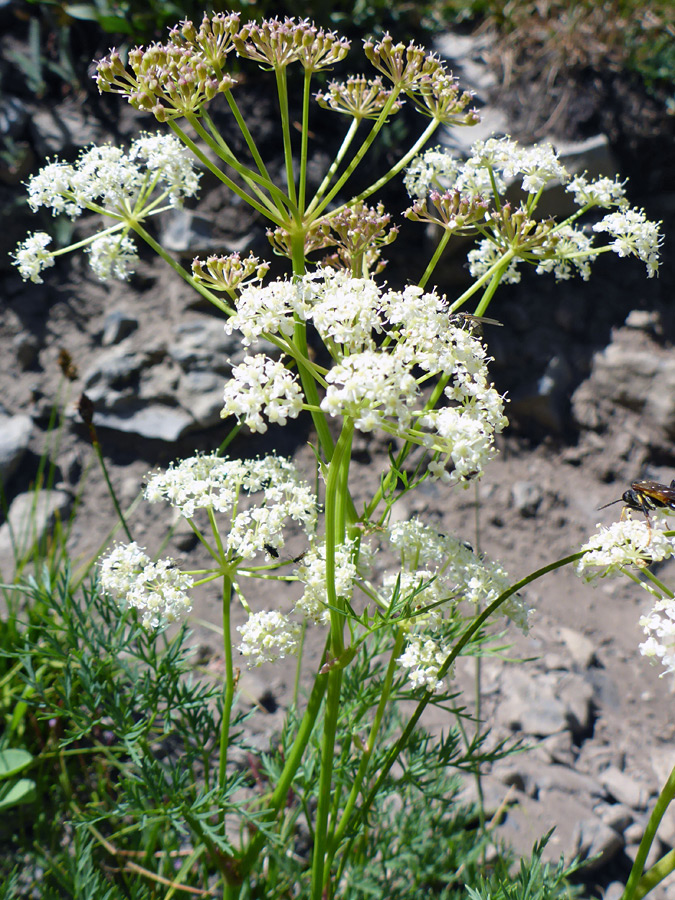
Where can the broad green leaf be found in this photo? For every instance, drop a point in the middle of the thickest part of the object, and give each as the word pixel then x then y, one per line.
pixel 13 761
pixel 21 791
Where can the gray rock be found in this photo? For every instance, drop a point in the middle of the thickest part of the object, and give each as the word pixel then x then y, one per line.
pixel 581 648
pixel 201 344
pixel 614 891
pixel 117 326
pixel 597 843
pixel 527 497
pixel 618 817
pixel 189 234
pixel 13 117
pixel 57 129
pixel 29 519
pixel 155 421
pixel 530 704
pixel 624 788
pixel 26 347
pixel 15 432
pixel 577 695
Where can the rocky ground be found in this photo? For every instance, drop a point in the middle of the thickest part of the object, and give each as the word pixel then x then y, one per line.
pixel 590 371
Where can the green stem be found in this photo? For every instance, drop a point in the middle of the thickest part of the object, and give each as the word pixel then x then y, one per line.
pixel 343 824
pixel 111 489
pixel 304 139
pixel 442 244
pixel 401 164
pixel 321 844
pixel 476 624
pixel 228 693
pixel 282 90
pixel 335 519
pixel 184 274
pixel 637 885
pixel 253 180
pixel 486 277
pixel 335 165
pixel 220 175
pixel 280 794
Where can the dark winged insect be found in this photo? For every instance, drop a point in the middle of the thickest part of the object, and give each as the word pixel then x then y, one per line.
pixel 644 496
pixel 472 323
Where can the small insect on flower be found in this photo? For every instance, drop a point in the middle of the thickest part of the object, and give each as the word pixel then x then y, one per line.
pixel 644 496
pixel 474 324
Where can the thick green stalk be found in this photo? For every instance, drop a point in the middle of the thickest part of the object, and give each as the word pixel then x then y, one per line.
pixel 343 824
pixel 280 794
pixel 336 484
pixel 228 692
pixel 494 272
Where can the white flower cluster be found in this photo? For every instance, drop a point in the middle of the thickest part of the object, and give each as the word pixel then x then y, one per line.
pixel 32 256
pixel 312 573
pixel 659 626
pixel 423 657
pixel 458 571
pixel 635 235
pixel 496 162
pixel 376 383
pixel 628 542
pixel 435 169
pixel 157 589
pixel 112 256
pixel 261 385
pixel 268 636
pixel 215 483
pixel 270 309
pixel 117 184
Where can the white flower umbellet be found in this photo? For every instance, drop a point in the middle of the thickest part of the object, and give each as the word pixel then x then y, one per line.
pixel 158 590
pixel 268 636
pixel 212 482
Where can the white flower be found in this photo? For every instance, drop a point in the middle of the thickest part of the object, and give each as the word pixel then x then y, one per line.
pixel 112 256
pixel 538 165
pixel 659 626
pixel 635 235
pixel 157 589
pixel 371 387
pixel 213 482
pixel 171 161
pixel 433 169
pixel 268 636
pixel 604 191
pixel 628 542
pixel 271 309
pixel 344 310
pixel 262 385
pixel 573 249
pixel 51 187
pixel 423 658
pixel 107 176
pixel 31 256
pixel 312 573
pixel 485 255
pixel 457 570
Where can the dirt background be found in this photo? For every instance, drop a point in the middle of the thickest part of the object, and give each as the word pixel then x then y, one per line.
pixel 538 500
